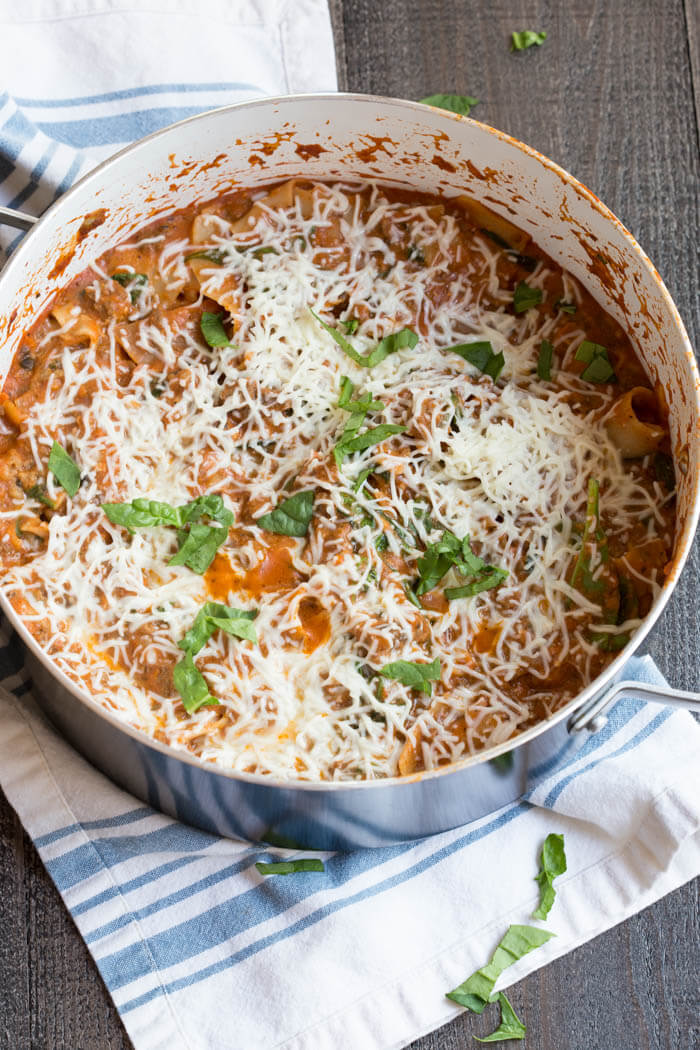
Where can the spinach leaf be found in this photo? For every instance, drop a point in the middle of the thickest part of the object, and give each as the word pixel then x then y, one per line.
pixel 481 355
pixel 288 867
pixel 552 863
pixel 65 470
pixel 475 992
pixel 291 517
pixel 213 330
pixel 461 104
pixel 415 675
pixel 511 1027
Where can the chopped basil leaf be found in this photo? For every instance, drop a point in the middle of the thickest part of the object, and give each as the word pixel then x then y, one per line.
pixel 351 325
pixel 197 544
pixel 526 261
pixel 664 470
pixel 214 255
pixel 481 355
pixel 361 479
pixel 451 552
pixel 511 1027
pixel 485 582
pixel 291 517
pixel 475 992
pixel 461 104
pixel 213 330
pixel 214 616
pixel 38 492
pixel 566 308
pixel 544 360
pixel 416 254
pixel 381 543
pixel 360 407
pixel 525 297
pixel 599 369
pixel 133 283
pixel 266 249
pixel 191 685
pixel 354 442
pixel 525 39
pixel 388 345
pixel 288 867
pixel 65 470
pixel 552 863
pixel 157 389
pixel 590 534
pixel 414 675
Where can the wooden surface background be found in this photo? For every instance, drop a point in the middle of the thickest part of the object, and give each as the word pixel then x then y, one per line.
pixel 613 96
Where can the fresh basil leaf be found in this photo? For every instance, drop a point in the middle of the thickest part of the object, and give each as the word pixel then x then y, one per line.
pixel 351 325
pixel 352 442
pixel 461 104
pixel 291 517
pixel 388 345
pixel 288 867
pixel 361 479
pixel 214 616
pixel 590 529
pixel 481 355
pixel 525 39
pixel 143 513
pixel 65 470
pixel 381 543
pixel 217 256
pixel 39 493
pixel 133 283
pixel 544 360
pixel 493 578
pixel 664 470
pixel 438 559
pixel 566 308
pixel 552 863
pixel 213 330
pixel 475 992
pixel 525 297
pixel 414 675
pixel 511 1027
pixel 599 369
pixel 191 685
pixel 198 546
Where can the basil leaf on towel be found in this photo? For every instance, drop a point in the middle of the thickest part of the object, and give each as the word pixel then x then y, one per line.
pixel 553 863
pixel 288 867
pixel 65 470
pixel 511 1027
pixel 517 941
pixel 291 517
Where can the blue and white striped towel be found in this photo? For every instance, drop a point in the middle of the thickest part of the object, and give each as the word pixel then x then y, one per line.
pixel 197 950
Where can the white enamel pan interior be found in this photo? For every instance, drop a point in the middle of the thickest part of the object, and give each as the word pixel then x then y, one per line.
pixel 364 137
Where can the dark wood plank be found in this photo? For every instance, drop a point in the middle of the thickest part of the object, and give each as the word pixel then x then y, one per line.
pixel 609 96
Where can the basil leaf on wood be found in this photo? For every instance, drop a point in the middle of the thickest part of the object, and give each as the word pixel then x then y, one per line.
pixel 133 283
pixel 291 517
pixel 511 1027
pixel 598 368
pixel 213 330
pixel 525 39
pixel 65 470
pixel 481 355
pixel 552 863
pixel 525 297
pixel 288 867
pixel 388 345
pixel 544 360
pixel 475 992
pixel 214 616
pixel 461 104
pixel 191 685
pixel 415 675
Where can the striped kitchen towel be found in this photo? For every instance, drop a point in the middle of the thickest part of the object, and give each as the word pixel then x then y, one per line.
pixel 200 952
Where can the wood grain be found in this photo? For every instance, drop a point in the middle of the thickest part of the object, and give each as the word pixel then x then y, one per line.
pixel 610 96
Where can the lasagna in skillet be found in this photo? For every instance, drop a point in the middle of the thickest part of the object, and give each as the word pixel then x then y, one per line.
pixel 331 481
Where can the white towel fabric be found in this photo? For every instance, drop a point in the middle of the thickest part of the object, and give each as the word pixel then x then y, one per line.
pixel 198 951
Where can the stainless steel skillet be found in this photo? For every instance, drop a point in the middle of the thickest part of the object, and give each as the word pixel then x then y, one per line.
pixel 335 136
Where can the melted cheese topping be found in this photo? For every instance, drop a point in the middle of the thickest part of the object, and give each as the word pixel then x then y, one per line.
pixel 146 409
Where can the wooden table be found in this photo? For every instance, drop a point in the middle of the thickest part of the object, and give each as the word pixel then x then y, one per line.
pixel 613 97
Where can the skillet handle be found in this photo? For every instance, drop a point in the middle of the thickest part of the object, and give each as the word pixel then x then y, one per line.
pixel 592 717
pixel 19 219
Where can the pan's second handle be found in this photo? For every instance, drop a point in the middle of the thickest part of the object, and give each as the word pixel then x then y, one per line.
pixel 19 219
pixel 592 716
